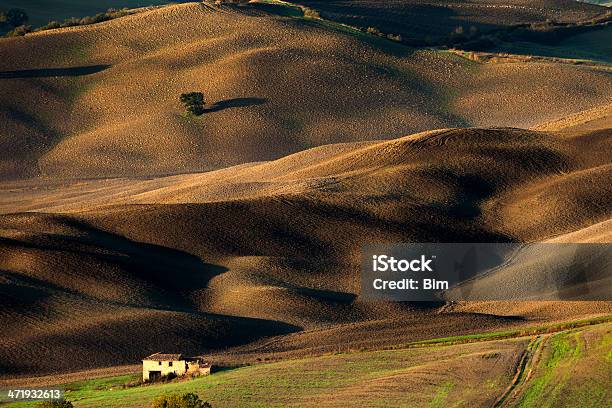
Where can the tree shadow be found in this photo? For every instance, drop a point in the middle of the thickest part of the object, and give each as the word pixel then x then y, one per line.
pixel 54 72
pixel 235 103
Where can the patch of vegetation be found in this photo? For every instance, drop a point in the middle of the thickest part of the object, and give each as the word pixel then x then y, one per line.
pixel 439 398
pixel 606 344
pixel 187 400
pixel 594 45
pixel 106 383
pixel 55 404
pixel 544 33
pixel 164 378
pixel 375 31
pixel 110 14
pixel 527 331
pixel 19 31
pixel 311 13
pixel 562 351
pixel 239 2
pixel 13 22
pixel 194 102
pixel 293 382
pixel 279 7
pixel 470 39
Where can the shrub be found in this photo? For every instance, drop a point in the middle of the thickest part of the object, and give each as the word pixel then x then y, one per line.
pixel 194 102
pixel 239 2
pixel 50 25
pixel 55 404
pixel 163 379
pixel 311 13
pixel 373 31
pixel 19 31
pixel 394 37
pixel 69 22
pixel 188 400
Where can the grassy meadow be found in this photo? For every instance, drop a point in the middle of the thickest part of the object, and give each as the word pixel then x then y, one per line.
pixel 569 367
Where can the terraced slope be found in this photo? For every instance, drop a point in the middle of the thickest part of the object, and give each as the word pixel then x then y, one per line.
pixel 275 85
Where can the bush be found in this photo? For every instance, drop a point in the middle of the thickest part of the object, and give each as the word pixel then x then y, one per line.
pixel 373 31
pixel 50 25
pixel 311 13
pixel 194 102
pixel 19 31
pixel 55 404
pixel 71 22
pixel 7 20
pixel 239 2
pixel 394 37
pixel 188 400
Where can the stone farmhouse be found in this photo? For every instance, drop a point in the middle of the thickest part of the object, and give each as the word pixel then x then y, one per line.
pixel 160 365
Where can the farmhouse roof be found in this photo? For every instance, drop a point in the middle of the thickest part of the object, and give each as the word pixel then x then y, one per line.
pixel 164 357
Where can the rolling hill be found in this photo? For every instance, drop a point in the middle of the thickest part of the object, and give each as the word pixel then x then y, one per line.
pixel 41 12
pixel 202 259
pixel 431 21
pixel 274 85
pixel 128 227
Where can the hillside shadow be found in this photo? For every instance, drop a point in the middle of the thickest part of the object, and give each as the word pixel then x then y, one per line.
pixel 54 72
pixel 235 103
pixel 168 273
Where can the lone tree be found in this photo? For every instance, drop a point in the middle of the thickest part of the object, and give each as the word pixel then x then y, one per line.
pixel 194 102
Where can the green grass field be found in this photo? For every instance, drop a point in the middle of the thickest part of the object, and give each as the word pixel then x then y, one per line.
pixel 304 382
pixel 573 370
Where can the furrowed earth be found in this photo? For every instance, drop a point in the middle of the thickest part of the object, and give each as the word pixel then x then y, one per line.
pixel 128 227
